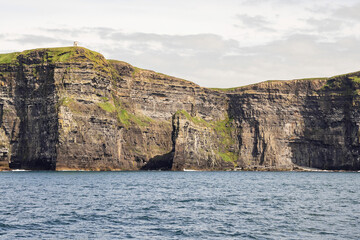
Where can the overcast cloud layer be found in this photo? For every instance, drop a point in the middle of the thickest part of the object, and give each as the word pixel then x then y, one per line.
pixel 222 43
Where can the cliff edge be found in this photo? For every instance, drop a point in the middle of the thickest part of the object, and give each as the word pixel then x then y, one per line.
pixel 72 109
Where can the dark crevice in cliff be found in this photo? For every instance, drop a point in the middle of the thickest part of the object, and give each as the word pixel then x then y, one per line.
pixel 34 144
pixel 255 151
pixel 262 156
pixel 18 140
pixel 165 161
pixel 4 162
pixel 160 162
pixel 236 112
pixel 1 114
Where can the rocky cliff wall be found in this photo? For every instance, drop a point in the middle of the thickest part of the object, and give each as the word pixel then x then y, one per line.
pixel 271 117
pixel 308 123
pixel 71 109
pixel 29 119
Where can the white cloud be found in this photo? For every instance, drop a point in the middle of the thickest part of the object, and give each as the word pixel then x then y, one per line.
pixel 214 43
pixel 256 22
pixel 349 12
pixel 30 39
pixel 326 25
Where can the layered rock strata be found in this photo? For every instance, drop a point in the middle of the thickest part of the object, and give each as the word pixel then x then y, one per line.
pixel 71 109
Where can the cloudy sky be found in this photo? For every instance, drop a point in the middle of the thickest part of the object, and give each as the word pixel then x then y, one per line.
pixel 215 43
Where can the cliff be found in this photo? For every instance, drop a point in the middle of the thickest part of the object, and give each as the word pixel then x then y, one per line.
pixel 71 109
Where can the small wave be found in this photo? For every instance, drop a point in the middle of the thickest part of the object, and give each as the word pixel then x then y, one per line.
pixel 190 200
pixel 70 170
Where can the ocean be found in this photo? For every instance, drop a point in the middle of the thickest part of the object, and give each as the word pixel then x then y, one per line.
pixel 179 205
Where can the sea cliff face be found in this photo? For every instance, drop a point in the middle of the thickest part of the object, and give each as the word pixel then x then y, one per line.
pixel 71 109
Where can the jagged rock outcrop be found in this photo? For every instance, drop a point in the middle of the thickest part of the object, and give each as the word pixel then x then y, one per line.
pixel 71 109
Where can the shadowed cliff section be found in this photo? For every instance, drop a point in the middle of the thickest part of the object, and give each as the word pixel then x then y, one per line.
pixel 269 119
pixel 331 133
pixel 36 134
pixel 310 123
pixel 33 135
pixel 71 109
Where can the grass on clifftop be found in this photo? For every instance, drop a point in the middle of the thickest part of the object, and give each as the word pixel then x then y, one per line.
pixel 346 84
pixel 225 89
pixel 55 55
pixel 268 81
pixel 7 58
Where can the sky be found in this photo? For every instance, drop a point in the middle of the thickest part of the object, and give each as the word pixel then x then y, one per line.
pixel 214 43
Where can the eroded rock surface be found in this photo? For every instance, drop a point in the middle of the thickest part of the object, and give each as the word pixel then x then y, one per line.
pixel 71 109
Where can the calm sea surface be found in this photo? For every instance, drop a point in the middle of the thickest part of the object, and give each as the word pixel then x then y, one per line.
pixel 179 205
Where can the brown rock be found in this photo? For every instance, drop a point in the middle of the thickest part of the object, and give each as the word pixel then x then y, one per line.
pixel 71 109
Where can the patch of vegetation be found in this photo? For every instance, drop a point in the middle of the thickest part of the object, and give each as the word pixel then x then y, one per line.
pixel 224 132
pixel 268 81
pixel 310 79
pixel 65 101
pixel 57 55
pixel 123 117
pixel 107 106
pixel 142 121
pixel 136 71
pixel 333 84
pixel 346 75
pixel 196 120
pixel 224 128
pixel 228 156
pixel 355 79
pixel 344 85
pixel 68 102
pixel 225 89
pixel 126 118
pixel 8 58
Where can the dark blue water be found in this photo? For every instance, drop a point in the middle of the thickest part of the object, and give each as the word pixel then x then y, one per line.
pixel 179 205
